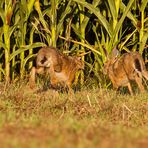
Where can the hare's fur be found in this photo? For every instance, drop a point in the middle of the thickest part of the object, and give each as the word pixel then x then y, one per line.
pixel 61 68
pixel 121 70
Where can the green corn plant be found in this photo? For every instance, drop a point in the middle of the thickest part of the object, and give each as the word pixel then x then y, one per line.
pixel 1 54
pixel 113 26
pixel 31 37
pixel 55 28
pixel 53 21
pixel 143 35
pixel 13 64
pixel 9 29
pixel 80 30
pixel 47 33
pixel 2 72
pixel 24 9
pixel 83 24
pixel 6 14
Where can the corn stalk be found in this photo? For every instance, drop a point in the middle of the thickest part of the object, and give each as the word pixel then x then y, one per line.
pixel 23 28
pixel 143 35
pixel 6 15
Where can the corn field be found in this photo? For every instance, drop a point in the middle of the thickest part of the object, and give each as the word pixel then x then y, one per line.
pixel 74 27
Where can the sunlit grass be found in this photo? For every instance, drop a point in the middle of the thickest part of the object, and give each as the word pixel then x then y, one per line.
pixel 91 118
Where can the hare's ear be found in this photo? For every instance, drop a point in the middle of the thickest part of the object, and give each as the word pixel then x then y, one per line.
pixel 114 52
pixel 105 51
pixel 77 58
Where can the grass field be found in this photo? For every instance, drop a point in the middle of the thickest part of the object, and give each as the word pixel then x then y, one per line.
pixel 91 118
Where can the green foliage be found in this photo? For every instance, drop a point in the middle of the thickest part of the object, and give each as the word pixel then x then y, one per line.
pixel 74 27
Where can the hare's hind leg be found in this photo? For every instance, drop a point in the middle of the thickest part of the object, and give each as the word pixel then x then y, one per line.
pixel 145 74
pixel 130 88
pixel 70 90
pixel 139 83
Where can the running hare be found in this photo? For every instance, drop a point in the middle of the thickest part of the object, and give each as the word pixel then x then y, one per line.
pixel 121 70
pixel 61 68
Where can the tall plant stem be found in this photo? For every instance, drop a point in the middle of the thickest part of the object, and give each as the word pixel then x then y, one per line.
pixel 7 52
pixel 53 22
pixel 22 56
pixel 141 30
pixel 30 5
pixel 82 31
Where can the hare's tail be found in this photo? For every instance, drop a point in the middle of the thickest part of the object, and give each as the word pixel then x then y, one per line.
pixel 145 74
pixel 140 68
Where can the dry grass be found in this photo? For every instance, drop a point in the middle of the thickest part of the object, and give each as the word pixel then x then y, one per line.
pixel 94 118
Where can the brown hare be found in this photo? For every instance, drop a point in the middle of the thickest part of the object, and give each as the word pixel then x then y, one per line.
pixel 121 70
pixel 61 68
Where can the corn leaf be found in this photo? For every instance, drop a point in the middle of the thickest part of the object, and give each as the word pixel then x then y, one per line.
pixel 100 17
pixel 27 47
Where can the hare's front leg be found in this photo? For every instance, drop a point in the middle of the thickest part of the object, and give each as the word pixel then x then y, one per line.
pixel 34 71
